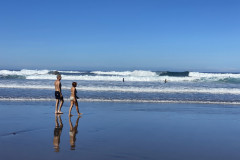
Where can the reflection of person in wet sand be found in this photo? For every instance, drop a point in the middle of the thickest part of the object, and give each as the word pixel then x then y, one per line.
pixel 57 132
pixel 73 98
pixel 58 94
pixel 73 131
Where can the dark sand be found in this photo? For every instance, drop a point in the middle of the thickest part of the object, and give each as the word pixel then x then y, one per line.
pixel 129 131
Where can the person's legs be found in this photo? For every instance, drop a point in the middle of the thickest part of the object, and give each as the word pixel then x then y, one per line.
pixel 60 107
pixel 56 106
pixel 60 120
pixel 76 124
pixel 56 121
pixel 70 109
pixel 76 104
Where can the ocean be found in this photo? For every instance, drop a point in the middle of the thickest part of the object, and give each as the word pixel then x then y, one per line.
pixel 139 86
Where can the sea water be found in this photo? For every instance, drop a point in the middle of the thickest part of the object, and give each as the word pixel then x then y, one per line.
pixel 138 86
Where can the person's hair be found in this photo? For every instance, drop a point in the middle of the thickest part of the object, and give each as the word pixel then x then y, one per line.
pixel 74 84
pixel 59 76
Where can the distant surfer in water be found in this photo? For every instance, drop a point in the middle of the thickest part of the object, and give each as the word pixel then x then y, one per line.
pixel 58 94
pixel 123 79
pixel 165 81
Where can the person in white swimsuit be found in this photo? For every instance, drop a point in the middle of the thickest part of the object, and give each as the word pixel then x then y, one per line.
pixel 73 99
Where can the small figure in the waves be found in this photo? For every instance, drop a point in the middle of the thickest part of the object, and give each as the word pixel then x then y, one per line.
pixel 73 99
pixel 58 94
pixel 72 133
pixel 123 79
pixel 165 81
pixel 57 132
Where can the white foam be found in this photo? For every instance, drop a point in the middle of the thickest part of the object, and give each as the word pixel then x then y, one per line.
pixel 125 73
pixel 136 73
pixel 70 72
pixel 133 76
pixel 196 90
pixel 24 86
pixel 198 74
pixel 124 101
pixel 139 73
pixel 163 90
pixel 213 76
pixel 24 72
pixel 138 76
pixel 113 78
pixel 27 99
pixel 47 77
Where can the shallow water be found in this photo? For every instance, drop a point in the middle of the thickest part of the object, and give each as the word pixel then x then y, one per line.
pixel 121 131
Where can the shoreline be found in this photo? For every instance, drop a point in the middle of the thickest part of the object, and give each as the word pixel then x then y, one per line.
pixel 118 101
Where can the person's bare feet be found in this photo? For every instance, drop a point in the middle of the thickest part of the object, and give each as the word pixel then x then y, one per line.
pixel 79 114
pixel 59 112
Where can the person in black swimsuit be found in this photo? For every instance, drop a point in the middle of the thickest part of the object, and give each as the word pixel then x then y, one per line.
pixel 58 94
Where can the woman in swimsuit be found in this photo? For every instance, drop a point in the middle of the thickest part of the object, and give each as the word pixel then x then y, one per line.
pixel 73 98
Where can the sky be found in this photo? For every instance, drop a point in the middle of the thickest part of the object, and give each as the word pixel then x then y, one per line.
pixel 174 35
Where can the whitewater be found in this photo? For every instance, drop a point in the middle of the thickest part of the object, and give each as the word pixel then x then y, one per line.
pixel 141 86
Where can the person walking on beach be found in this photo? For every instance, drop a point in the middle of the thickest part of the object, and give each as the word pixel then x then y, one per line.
pixel 73 98
pixel 58 94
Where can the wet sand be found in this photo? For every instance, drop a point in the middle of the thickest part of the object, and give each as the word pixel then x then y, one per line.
pixel 129 131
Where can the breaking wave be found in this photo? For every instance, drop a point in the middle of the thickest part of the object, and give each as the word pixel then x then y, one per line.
pixel 24 72
pixel 136 75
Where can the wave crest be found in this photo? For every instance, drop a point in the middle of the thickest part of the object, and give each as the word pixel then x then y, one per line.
pixel 24 72
pixel 136 75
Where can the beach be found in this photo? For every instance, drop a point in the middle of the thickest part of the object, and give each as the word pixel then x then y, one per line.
pixel 108 130
pixel 154 80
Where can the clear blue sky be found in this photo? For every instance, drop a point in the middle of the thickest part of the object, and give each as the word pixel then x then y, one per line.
pixel 176 35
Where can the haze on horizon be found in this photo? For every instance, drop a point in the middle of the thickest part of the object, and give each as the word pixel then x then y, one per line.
pixel 175 35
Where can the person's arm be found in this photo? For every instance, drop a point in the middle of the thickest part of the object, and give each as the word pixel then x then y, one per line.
pixel 76 94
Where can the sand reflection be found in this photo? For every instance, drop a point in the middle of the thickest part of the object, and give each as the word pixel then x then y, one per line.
pixel 57 132
pixel 73 131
